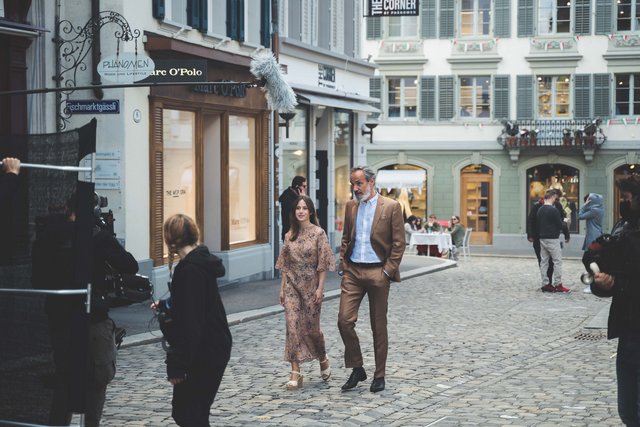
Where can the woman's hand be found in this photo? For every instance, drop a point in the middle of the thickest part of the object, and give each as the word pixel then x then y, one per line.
pixel 603 280
pixel 155 305
pixel 175 381
pixel 282 297
pixel 319 295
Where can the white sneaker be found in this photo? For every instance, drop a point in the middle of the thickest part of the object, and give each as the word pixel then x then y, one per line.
pixel 587 290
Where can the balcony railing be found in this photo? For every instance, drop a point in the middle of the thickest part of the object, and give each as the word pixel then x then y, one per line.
pixel 543 134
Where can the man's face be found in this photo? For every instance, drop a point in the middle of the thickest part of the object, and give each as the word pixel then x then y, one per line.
pixel 362 189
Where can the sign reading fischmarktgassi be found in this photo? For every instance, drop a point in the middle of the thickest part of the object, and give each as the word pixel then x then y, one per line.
pixel 105 106
pixel 392 8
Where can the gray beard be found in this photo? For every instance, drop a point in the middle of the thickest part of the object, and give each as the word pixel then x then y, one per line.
pixel 363 197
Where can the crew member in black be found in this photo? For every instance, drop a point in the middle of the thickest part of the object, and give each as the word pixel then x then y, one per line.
pixel 288 197
pixel 9 180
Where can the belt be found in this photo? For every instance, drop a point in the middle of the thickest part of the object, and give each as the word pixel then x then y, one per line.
pixel 367 264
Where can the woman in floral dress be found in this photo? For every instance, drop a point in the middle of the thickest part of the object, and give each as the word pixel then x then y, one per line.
pixel 304 260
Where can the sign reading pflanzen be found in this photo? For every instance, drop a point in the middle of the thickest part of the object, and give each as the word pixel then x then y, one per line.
pixel 126 67
pixel 392 8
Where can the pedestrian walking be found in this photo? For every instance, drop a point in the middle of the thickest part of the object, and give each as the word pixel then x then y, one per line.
pixel 304 260
pixel 373 242
pixel 550 225
pixel 593 212
pixel 624 289
pixel 287 201
pixel 199 336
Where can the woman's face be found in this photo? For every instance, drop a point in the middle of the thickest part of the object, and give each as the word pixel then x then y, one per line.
pixel 302 211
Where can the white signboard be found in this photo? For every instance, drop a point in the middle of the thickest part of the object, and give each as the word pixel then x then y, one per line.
pixel 126 67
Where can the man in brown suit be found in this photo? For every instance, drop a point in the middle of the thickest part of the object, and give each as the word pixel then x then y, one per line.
pixel 373 242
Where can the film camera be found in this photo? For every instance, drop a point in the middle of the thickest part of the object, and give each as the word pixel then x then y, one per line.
pixel 605 255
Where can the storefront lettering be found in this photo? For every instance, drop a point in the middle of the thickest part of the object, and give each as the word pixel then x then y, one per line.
pixel 177 72
pixel 240 221
pixel 238 90
pixel 175 193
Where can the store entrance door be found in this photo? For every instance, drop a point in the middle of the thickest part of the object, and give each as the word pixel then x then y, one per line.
pixel 476 206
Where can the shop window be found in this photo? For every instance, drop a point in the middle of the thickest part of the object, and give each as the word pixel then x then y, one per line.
pixel 412 196
pixel 628 15
pixel 554 16
pixel 402 26
pixel 620 173
pixel 475 17
pixel 242 179
pixel 628 94
pixel 293 153
pixel 218 17
pixel 553 96
pixel 475 99
pixel 252 13
pixel 343 136
pixel 562 177
pixel 176 11
pixel 402 97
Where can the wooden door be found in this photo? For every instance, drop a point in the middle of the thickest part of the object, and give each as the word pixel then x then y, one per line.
pixel 476 206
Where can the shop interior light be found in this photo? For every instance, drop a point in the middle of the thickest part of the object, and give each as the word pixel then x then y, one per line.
pixel 286 117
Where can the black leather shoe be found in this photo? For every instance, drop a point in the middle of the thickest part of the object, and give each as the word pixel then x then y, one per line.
pixel 357 375
pixel 377 385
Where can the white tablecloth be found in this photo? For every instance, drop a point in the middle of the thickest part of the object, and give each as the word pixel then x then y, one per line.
pixel 443 241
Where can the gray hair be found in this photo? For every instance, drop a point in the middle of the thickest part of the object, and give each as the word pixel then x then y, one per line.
pixel 369 173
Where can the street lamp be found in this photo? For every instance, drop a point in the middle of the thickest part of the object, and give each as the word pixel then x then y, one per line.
pixel 286 117
pixel 371 127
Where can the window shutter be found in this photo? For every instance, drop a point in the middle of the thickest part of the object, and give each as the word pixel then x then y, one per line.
pixel 445 94
pixel 601 96
pixel 193 13
pixel 428 19
pixel 582 96
pixel 204 16
pixel 603 16
pixel 157 183
pixel 265 23
pixel 503 18
pixel 374 28
pixel 525 18
pixel 158 9
pixel 235 19
pixel 501 97
pixel 240 18
pixel 428 98
pixel 375 91
pixel 294 21
pixel 325 25
pixel 583 17
pixel 447 19
pixel 524 104
pixel 349 28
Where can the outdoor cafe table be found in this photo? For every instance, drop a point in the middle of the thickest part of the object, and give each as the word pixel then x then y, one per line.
pixel 442 240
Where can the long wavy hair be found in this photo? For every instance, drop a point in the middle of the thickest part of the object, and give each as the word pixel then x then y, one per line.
pixel 295 225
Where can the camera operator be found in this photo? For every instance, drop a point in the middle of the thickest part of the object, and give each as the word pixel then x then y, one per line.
pixel 53 266
pixel 624 315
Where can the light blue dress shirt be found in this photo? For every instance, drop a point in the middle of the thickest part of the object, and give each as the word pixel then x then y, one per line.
pixel 362 250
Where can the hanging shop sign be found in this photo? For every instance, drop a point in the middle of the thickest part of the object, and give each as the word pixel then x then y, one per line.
pixel 105 106
pixel 177 71
pixel 326 76
pixel 126 67
pixel 237 90
pixel 376 8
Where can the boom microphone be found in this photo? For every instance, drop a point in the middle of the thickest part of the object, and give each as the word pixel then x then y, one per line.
pixel 279 94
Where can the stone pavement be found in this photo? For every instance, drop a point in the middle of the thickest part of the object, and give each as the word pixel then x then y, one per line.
pixel 474 345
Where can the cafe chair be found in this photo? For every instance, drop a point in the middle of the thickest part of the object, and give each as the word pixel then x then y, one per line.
pixel 466 252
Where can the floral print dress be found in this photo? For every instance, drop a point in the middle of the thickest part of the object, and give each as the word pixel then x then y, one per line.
pixel 300 262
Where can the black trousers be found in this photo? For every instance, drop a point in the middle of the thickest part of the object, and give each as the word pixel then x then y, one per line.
pixel 192 398
pixel 536 249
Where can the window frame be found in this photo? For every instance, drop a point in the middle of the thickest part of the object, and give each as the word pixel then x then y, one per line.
pixel 634 16
pixel 475 21
pixel 633 86
pixel 554 31
pixel 156 197
pixel 402 105
pixel 215 10
pixel 403 26
pixel 169 4
pixel 474 105
pixel 554 96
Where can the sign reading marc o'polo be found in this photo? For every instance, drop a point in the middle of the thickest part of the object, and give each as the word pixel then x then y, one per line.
pixel 126 67
pixel 176 71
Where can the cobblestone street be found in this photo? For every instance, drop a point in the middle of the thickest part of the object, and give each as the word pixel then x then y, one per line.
pixel 479 344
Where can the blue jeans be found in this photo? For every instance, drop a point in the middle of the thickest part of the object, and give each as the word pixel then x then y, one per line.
pixel 628 372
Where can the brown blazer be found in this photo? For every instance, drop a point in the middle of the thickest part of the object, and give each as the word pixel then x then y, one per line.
pixel 387 235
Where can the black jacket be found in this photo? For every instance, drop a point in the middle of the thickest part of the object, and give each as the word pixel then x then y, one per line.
pixel 8 184
pixel 202 340
pixel 549 222
pixel 286 199
pixel 624 314
pixel 532 220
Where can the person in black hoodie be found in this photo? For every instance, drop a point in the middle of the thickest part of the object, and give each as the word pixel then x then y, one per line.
pixel 287 199
pixel 199 338
pixel 9 182
pixel 624 289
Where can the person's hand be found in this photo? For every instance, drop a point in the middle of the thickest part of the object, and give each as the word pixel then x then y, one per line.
pixel 281 297
pixel 155 305
pixel 11 165
pixel 530 239
pixel 175 381
pixel 603 280
pixel 567 240
pixel 317 297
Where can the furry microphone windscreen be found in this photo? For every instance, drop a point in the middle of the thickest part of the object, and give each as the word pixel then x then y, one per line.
pixel 279 94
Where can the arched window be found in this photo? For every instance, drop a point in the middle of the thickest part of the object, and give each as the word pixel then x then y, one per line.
pixel 562 177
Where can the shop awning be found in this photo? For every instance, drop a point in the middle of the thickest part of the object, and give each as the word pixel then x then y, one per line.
pixel 345 104
pixel 400 178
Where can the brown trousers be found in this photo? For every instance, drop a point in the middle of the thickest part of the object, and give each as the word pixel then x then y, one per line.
pixel 357 281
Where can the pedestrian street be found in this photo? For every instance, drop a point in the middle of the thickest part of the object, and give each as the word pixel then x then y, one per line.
pixel 478 344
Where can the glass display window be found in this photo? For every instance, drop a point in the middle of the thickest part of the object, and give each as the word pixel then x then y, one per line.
pixel 343 136
pixel 242 179
pixel 620 173
pixel 412 199
pixel 293 152
pixel 565 178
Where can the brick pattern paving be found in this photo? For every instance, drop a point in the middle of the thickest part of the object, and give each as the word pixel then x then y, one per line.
pixel 473 345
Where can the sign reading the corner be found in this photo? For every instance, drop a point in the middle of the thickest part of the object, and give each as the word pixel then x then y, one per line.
pixel 126 67
pixel 392 8
pixel 176 71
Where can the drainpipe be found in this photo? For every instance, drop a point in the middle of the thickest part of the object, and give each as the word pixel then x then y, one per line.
pixel 95 52
pixel 275 48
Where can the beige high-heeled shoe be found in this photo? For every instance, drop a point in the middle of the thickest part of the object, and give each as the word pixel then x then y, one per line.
pixel 295 384
pixel 325 373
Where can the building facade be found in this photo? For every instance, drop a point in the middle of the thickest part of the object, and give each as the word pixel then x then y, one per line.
pixel 496 101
